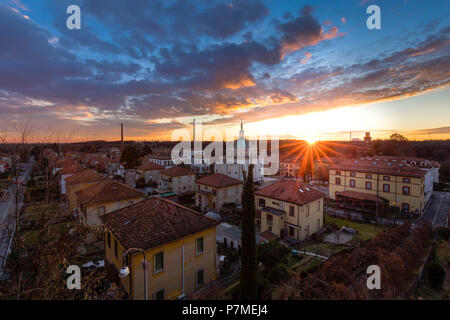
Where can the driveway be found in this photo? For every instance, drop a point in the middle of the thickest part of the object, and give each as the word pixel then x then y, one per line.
pixel 437 210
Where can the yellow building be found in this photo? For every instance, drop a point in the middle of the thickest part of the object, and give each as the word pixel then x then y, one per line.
pixel 178 179
pixel 79 181
pixel 391 182
pixel 288 208
pixel 217 189
pixel 105 197
pixel 180 247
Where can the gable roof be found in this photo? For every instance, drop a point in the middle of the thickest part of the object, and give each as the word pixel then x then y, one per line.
pixel 153 222
pixel 379 167
pixel 218 180
pixel 177 171
pixel 85 176
pixel 71 169
pixel 149 166
pixel 106 191
pixel 291 191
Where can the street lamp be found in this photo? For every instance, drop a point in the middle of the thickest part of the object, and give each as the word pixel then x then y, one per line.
pixel 125 270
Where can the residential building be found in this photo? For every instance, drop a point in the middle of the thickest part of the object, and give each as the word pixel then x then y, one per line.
pixel 178 179
pixel 388 180
pixel 150 172
pixel 6 158
pixel 288 208
pixel 79 181
pixel 231 235
pixel 66 171
pixel 215 190
pixel 104 197
pixel 291 167
pixel 161 160
pixel 180 246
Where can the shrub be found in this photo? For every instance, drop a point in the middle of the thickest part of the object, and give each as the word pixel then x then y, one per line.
pixel 443 233
pixel 435 274
pixel 278 273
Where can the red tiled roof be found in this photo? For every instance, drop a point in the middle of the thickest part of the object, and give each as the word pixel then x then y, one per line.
pixel 107 191
pixel 379 166
pixel 177 171
pixel 289 191
pixel 71 169
pixel 218 180
pixel 85 176
pixel 153 222
pixel 268 235
pixel 149 166
pixel 360 195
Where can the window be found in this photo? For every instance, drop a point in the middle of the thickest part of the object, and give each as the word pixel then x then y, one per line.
pixel 262 202
pixel 307 211
pixel 406 191
pixel 406 180
pixel 101 210
pixel 291 232
pixel 352 174
pixel 199 279
pixel 318 224
pixel 159 295
pixel 368 185
pixel 269 219
pixel 405 207
pixel 386 188
pixel 338 173
pixel 318 205
pixel 352 183
pixel 214 192
pixel 292 211
pixel 199 246
pixel 108 239
pixel 368 176
pixel 159 262
pixel 386 178
pixel 338 181
pixel 275 203
pixel 307 231
pixel 115 248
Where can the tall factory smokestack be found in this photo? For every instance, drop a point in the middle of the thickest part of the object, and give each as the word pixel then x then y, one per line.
pixel 121 136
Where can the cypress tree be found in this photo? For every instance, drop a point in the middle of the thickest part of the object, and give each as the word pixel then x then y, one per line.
pixel 249 264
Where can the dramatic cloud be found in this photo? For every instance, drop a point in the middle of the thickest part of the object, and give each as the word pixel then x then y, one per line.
pixel 151 63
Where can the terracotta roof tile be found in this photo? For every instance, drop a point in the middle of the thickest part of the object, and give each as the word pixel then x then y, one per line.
pixel 85 176
pixel 177 171
pixel 71 169
pixel 380 167
pixel 149 166
pixel 107 191
pixel 268 235
pixel 289 191
pixel 218 180
pixel 360 196
pixel 155 221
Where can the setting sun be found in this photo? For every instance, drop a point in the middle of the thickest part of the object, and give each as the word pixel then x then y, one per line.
pixel 311 140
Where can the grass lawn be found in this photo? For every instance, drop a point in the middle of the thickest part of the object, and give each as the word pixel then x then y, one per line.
pixel 366 231
pixel 325 248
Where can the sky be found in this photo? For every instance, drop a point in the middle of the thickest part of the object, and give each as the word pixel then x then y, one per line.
pixel 287 68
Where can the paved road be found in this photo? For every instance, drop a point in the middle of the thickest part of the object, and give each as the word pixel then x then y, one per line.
pixel 7 210
pixel 437 210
